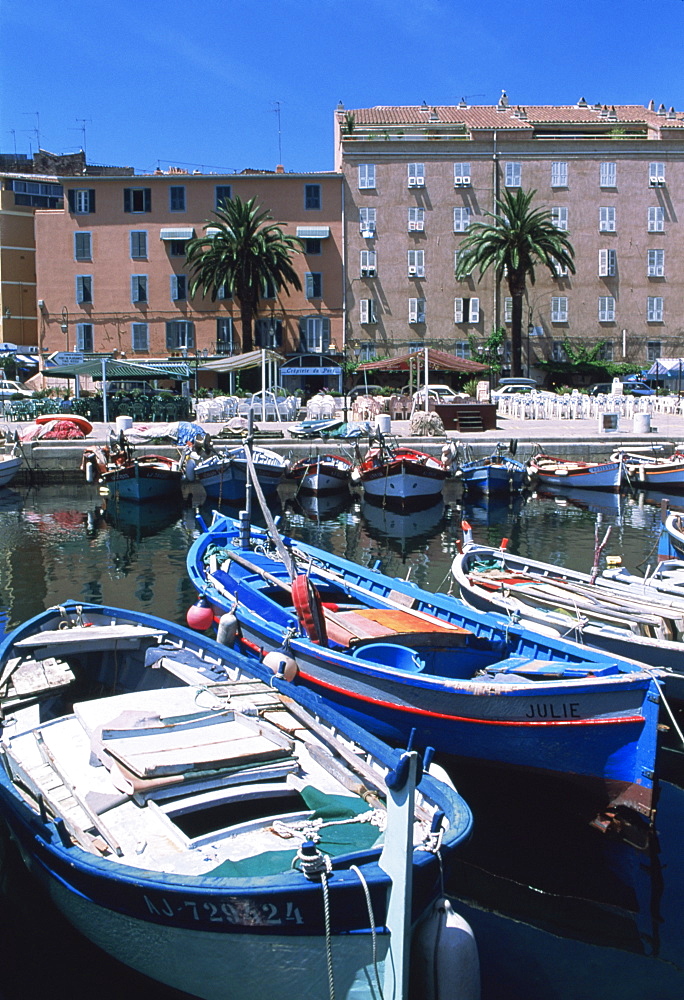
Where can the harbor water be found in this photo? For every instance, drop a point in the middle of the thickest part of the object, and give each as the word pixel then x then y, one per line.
pixel 560 911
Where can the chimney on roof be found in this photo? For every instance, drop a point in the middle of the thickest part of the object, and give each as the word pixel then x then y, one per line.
pixel 280 169
pixel 613 113
pixel 424 106
pixel 661 110
pixel 340 106
pixel 503 102
pixel 671 113
pixel 581 103
pixel 463 103
pixel 651 105
pixel 596 107
pixel 434 117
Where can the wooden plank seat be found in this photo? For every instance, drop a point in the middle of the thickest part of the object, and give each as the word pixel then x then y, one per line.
pixel 90 638
pixel 351 628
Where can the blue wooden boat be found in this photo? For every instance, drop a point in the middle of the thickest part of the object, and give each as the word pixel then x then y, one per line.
pixel 395 657
pixel 208 824
pixel 224 473
pixel 497 473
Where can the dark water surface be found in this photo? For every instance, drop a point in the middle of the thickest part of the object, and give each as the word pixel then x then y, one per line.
pixel 560 912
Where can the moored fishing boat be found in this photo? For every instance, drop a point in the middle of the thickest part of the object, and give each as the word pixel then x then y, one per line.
pixel 210 826
pixel 649 471
pixel 395 657
pixel 399 475
pixel 224 473
pixel 495 473
pixel 10 463
pixel 321 473
pixel 548 470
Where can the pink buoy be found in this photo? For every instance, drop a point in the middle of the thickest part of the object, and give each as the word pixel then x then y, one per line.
pixel 200 616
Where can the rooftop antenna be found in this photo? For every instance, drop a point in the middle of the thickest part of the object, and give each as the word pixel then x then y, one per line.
pixel 276 111
pixel 36 130
pixel 13 133
pixel 82 129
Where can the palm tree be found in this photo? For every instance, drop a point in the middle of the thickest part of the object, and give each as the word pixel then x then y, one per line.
pixel 246 253
pixel 517 238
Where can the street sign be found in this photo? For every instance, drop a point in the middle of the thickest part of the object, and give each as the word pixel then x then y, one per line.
pixel 67 358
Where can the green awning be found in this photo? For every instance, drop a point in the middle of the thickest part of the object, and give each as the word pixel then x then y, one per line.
pixel 115 369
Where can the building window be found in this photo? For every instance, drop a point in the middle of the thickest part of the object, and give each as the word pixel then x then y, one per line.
pixel 81 201
pixel 605 352
pixel 140 337
pixel 413 346
pixel 38 195
pixel 558 351
pixel 559 217
pixel 312 248
pixel 559 174
pixel 138 244
pixel 367 221
pixel 416 220
pixel 655 309
pixel 368 262
pixel 313 281
pixel 83 246
pixel 608 175
pixel 367 312
pixel 559 270
pixel 508 309
pixel 461 175
pixel 177 247
pixel 656 174
pixel 416 263
pixel 366 175
pixel 180 333
pixel 654 350
pixel 222 193
pixel 416 311
pixel 559 309
pixel 315 334
pixel 416 175
pixel 137 200
pixel 84 337
pixel 224 335
pixel 607 265
pixel 462 349
pixel 312 197
pixel 467 310
pixel 367 351
pixel 656 264
pixel 84 288
pixel 179 287
pixel 458 254
pixel 223 293
pixel 461 219
pixel 606 309
pixel 513 175
pixel 268 332
pixel 177 198
pixel 138 288
pixel 607 220
pixel 268 289
pixel 656 219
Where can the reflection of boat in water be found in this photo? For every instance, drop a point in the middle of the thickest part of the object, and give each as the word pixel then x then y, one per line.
pixel 596 501
pixel 322 507
pixel 493 511
pixel 10 499
pixel 403 529
pixel 141 520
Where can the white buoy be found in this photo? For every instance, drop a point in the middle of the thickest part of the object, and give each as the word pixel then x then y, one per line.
pixel 189 470
pixel 91 470
pixel 444 959
pixel 226 629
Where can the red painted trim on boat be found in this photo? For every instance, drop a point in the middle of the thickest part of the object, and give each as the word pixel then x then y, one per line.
pixel 459 718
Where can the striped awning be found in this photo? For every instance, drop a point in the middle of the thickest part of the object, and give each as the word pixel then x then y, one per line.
pixel 313 232
pixel 179 233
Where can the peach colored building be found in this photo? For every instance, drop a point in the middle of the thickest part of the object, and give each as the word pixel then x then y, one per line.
pixel 111 269
pixel 415 178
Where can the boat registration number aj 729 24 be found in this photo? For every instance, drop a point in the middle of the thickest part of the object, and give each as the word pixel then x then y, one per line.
pixel 239 912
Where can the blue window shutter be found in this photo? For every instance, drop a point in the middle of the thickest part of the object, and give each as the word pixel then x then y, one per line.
pixel 325 338
pixel 279 333
pixel 148 199
pixel 72 200
pixel 171 335
pixel 302 335
pixel 91 200
pixel 127 199
pixel 191 335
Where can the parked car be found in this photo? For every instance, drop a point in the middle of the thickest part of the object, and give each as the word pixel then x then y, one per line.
pixel 628 389
pixel 516 387
pixel 366 390
pixel 9 389
pixel 441 393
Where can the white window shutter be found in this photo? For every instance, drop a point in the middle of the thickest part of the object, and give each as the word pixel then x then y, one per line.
pixel 458 310
pixel 474 311
pixel 363 310
pixel 413 311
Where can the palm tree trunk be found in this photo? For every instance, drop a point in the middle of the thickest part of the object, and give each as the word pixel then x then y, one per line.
pixel 516 331
pixel 246 322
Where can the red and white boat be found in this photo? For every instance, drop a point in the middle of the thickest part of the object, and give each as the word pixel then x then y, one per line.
pixel 565 472
pixel 400 476
pixel 321 473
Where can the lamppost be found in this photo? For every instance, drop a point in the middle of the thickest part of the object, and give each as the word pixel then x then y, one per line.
pixel 530 331
pixel 65 325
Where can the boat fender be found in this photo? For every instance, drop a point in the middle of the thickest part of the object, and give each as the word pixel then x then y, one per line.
pixel 200 615
pixel 467 532
pixel 91 471
pixel 309 608
pixel 189 470
pixel 444 958
pixel 227 629
pixel 281 664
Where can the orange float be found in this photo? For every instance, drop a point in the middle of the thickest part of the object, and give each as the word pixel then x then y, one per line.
pixel 80 422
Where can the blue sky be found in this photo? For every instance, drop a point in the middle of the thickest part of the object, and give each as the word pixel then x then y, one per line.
pixel 198 84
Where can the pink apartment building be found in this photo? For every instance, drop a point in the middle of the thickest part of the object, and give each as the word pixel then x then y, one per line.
pixel 111 272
